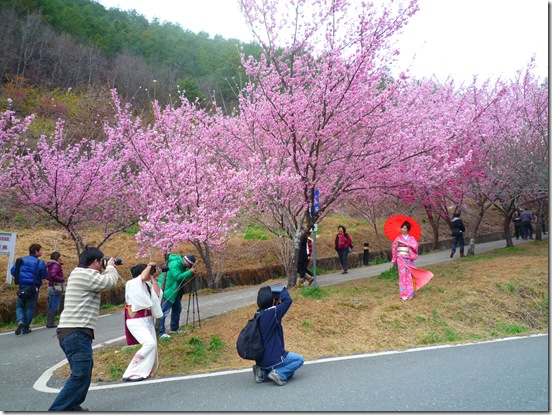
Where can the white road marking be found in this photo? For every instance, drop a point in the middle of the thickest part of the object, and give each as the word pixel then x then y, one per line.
pixel 41 384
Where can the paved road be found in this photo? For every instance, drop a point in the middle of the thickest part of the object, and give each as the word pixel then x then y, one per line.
pixel 362 383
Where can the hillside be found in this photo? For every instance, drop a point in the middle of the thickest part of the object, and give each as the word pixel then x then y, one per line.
pixel 70 44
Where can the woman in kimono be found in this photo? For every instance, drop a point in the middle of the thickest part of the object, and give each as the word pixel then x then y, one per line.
pixel 405 251
pixel 143 305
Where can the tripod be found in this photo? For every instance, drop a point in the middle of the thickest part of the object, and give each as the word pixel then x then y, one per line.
pixel 193 300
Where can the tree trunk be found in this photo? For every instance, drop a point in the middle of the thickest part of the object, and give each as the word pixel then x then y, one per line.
pixel 434 226
pixel 292 277
pixel 507 232
pixel 205 254
pixel 538 224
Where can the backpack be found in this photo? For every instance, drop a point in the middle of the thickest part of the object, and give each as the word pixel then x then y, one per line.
pixel 17 270
pixel 250 344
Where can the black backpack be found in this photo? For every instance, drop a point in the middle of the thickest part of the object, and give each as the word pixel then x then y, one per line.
pixel 250 344
pixel 17 270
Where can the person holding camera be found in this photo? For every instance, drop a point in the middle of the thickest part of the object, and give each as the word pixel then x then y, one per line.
pixel 181 269
pixel 143 305
pixel 29 275
pixel 276 364
pixel 77 323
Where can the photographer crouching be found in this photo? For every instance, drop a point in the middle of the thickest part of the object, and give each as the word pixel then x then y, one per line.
pixel 77 323
pixel 143 305
pixel 277 363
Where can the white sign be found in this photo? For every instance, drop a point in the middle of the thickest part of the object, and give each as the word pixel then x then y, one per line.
pixel 7 247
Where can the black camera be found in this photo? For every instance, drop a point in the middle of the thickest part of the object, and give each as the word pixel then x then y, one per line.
pixel 118 261
pixel 154 269
pixel 276 290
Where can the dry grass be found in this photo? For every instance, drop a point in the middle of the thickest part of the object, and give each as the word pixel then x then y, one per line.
pixel 488 296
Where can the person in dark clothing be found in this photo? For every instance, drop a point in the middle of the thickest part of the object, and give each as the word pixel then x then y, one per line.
pixel 31 273
pixel 457 227
pixel 305 252
pixel 526 220
pixel 56 285
pixel 516 218
pixel 276 364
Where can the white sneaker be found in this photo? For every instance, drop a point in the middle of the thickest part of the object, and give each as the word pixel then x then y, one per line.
pixel 165 336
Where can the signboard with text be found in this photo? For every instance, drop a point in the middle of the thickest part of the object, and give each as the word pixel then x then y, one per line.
pixel 7 247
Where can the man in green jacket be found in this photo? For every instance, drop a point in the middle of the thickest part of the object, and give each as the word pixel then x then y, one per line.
pixel 181 269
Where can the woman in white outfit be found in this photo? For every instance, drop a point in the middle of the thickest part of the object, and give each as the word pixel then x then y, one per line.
pixel 143 305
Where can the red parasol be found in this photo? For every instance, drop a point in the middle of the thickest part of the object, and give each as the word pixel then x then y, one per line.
pixel 392 227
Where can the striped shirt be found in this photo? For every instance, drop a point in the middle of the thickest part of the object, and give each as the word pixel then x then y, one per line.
pixel 82 296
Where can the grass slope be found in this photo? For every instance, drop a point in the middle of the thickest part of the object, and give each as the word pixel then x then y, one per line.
pixel 492 295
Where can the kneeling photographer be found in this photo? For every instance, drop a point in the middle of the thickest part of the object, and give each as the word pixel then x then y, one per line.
pixel 277 363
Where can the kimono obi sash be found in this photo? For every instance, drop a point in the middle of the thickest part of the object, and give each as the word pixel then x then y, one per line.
pixel 403 250
pixel 146 312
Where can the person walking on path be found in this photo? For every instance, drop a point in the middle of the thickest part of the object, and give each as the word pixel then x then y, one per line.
pixel 56 287
pixel 77 323
pixel 143 305
pixel 276 364
pixel 526 220
pixel 343 244
pixel 457 227
pixel 516 218
pixel 29 275
pixel 181 269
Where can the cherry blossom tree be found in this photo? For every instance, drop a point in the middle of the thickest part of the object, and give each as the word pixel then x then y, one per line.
pixel 80 185
pixel 515 148
pixel 190 190
pixel 316 115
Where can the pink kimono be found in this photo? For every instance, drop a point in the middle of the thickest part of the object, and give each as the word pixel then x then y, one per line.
pixel 410 278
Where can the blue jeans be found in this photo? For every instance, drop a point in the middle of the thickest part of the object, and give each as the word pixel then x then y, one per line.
pixel 24 311
pixel 175 309
pixel 54 298
pixel 77 347
pixel 287 368
pixel 458 240
pixel 343 253
pixel 527 230
pixel 175 313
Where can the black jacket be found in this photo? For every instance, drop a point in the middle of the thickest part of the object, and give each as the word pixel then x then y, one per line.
pixel 457 227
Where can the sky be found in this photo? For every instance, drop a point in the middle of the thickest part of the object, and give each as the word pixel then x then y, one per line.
pixel 456 38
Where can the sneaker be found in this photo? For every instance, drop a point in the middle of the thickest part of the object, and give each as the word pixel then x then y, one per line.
pixel 80 408
pixel 273 375
pixel 26 331
pixel 258 373
pixel 19 328
pixel 165 336
pixel 345 272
